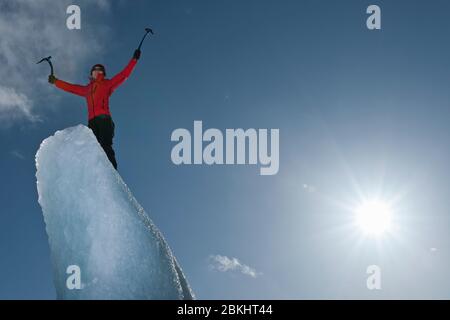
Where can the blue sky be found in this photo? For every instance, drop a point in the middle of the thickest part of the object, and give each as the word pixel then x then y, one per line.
pixel 360 113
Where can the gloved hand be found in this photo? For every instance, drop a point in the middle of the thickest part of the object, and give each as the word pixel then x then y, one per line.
pixel 52 79
pixel 137 54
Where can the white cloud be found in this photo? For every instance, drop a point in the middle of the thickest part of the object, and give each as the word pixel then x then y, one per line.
pixel 15 105
pixel 31 30
pixel 224 264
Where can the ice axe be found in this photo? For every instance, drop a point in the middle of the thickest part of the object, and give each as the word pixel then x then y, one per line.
pixel 49 62
pixel 147 31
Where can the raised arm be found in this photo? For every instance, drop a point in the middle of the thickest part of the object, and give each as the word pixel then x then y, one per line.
pixel 72 88
pixel 119 78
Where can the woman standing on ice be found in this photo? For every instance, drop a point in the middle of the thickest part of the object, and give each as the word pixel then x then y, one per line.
pixel 97 94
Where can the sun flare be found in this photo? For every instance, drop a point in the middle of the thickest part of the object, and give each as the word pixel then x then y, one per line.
pixel 374 217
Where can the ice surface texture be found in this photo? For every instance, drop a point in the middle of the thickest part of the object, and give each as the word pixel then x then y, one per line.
pixel 94 222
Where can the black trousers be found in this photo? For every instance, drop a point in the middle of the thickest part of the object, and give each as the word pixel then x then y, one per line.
pixel 103 128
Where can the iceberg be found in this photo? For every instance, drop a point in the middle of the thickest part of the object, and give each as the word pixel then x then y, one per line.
pixel 96 226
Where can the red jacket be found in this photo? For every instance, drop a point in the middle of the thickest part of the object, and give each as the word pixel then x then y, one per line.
pixel 98 91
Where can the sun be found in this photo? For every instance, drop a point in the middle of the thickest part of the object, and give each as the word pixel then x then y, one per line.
pixel 374 217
